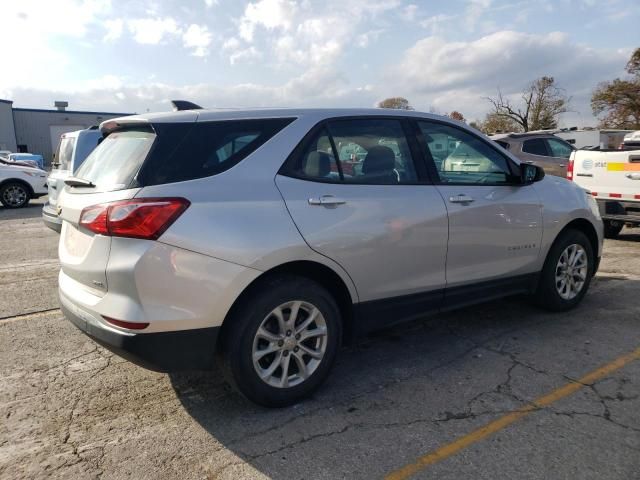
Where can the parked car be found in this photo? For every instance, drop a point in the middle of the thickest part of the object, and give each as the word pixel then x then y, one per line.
pixel 197 232
pixel 543 149
pixel 4 154
pixel 613 178
pixel 73 149
pixel 19 184
pixel 30 159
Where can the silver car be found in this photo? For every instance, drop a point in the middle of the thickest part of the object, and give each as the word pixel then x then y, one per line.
pixel 543 149
pixel 241 233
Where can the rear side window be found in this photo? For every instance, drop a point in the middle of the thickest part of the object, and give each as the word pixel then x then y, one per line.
pixel 535 146
pixel 365 151
pixel 205 149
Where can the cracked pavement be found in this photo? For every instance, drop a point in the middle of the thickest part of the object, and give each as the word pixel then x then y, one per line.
pixel 70 409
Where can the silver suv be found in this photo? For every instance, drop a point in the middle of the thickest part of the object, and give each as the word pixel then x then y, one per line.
pixel 242 233
pixel 543 149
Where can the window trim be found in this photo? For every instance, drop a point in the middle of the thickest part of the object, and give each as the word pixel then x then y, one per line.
pixel 514 168
pixel 287 168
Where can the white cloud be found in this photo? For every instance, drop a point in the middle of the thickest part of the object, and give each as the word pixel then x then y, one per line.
pixel 198 38
pixel 270 14
pixel 152 31
pixel 456 75
pixel 114 29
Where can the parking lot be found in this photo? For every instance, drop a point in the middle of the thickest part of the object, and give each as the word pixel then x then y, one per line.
pixel 408 402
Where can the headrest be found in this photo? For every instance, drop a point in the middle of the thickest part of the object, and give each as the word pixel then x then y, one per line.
pixel 317 164
pixel 379 159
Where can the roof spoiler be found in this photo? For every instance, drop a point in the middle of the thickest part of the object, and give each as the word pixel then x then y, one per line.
pixel 179 105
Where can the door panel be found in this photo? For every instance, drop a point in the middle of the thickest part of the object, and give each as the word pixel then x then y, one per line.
pixel 391 239
pixel 497 234
pixel 495 226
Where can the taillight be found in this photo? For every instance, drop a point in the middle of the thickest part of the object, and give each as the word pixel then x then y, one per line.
pixel 570 169
pixel 146 218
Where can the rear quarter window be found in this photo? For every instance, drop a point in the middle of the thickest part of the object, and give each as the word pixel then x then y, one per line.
pixel 189 151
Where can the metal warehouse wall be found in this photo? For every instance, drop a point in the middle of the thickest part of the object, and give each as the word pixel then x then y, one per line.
pixel 33 127
pixel 7 131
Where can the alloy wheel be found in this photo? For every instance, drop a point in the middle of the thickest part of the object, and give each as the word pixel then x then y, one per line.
pixel 289 344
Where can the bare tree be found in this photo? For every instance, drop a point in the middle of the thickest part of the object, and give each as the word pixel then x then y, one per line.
pixel 494 123
pixel 398 103
pixel 541 103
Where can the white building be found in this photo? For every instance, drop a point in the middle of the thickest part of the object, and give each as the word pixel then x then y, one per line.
pixel 605 139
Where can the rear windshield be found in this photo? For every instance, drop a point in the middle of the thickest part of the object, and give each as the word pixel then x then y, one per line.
pixel 65 153
pixel 174 152
pixel 114 163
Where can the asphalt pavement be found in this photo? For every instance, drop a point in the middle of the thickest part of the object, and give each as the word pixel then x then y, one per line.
pixel 497 391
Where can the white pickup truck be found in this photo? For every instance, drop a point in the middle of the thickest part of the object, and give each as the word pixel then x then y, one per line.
pixel 613 178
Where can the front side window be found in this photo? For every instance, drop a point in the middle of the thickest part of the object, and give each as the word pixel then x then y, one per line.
pixel 363 151
pixel 535 146
pixel 466 159
pixel 559 148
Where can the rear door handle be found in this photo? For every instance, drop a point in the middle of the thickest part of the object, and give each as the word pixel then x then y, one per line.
pixel 327 201
pixel 461 199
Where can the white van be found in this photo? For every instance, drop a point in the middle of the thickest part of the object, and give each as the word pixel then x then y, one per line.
pixel 73 148
pixel 613 178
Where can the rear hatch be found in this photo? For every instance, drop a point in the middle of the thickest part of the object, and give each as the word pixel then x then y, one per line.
pixel 613 174
pixel 111 170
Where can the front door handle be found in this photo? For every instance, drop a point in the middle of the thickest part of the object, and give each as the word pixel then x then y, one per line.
pixel 462 198
pixel 327 201
pixel 633 176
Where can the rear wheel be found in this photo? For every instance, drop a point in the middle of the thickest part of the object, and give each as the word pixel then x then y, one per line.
pixel 612 228
pixel 281 343
pixel 14 195
pixel 567 272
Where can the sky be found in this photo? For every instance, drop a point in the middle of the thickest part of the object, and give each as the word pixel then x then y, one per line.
pixel 124 56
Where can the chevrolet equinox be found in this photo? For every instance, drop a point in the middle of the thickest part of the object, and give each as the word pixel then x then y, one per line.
pixel 262 239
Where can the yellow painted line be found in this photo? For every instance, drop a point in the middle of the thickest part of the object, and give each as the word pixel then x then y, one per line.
pixel 503 422
pixel 623 167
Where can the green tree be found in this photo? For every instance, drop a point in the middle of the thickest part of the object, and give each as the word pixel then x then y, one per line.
pixel 398 103
pixel 541 103
pixel 619 100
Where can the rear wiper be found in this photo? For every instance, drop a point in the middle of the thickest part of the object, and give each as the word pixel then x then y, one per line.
pixel 78 182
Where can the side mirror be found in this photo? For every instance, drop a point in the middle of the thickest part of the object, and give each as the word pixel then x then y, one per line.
pixel 530 173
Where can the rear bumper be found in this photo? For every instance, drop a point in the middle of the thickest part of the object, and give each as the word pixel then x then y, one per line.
pixel 161 351
pixel 51 218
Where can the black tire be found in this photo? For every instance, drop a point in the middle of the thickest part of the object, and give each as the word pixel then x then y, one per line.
pixel 612 228
pixel 6 197
pixel 547 295
pixel 243 323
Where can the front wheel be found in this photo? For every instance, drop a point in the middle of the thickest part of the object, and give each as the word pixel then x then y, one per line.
pixel 282 341
pixel 612 228
pixel 14 195
pixel 567 272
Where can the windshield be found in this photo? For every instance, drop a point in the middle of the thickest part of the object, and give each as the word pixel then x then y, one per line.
pixel 115 162
pixel 65 152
